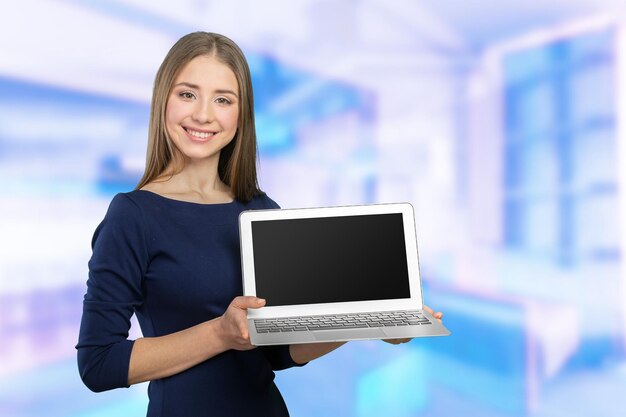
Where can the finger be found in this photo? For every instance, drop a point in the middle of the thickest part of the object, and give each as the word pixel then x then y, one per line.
pixel 244 333
pixel 397 341
pixel 438 315
pixel 240 327
pixel 248 301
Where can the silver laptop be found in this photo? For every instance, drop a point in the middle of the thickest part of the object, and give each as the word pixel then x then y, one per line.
pixel 333 274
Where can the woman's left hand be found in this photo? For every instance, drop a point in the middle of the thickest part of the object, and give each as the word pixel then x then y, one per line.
pixel 438 315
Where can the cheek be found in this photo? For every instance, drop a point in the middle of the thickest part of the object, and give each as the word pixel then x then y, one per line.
pixel 230 119
pixel 173 114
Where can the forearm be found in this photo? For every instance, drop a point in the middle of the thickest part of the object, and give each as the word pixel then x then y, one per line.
pixel 306 352
pixel 160 357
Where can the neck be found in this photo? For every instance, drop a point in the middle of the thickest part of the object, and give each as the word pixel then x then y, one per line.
pixel 196 177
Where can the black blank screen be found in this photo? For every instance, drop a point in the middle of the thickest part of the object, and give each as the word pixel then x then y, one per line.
pixel 333 259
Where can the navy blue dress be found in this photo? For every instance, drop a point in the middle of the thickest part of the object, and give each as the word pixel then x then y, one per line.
pixel 174 264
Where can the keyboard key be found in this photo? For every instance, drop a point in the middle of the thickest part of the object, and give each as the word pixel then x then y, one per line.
pixel 355 326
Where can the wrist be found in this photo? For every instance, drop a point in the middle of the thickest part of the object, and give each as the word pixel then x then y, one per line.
pixel 218 335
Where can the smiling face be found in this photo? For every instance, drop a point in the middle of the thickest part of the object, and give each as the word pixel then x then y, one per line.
pixel 202 109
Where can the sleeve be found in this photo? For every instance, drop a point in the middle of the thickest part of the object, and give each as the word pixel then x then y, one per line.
pixel 279 357
pixel 116 268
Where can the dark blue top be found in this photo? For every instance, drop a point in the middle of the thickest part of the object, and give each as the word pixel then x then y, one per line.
pixel 174 264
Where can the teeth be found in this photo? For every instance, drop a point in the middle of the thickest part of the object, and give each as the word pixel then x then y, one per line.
pixel 200 135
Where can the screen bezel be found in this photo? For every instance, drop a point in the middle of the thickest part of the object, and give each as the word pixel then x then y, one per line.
pixel 247 259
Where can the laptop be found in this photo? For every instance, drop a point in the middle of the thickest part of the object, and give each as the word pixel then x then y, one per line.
pixel 333 274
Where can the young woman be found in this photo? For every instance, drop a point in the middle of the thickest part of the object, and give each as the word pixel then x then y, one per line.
pixel 169 252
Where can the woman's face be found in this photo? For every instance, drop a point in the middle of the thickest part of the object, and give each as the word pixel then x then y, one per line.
pixel 202 109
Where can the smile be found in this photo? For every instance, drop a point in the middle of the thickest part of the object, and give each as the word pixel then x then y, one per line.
pixel 198 134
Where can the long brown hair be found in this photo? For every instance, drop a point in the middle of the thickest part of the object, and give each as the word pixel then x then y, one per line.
pixel 237 163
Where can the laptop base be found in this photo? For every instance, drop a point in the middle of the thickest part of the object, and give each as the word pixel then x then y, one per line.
pixel 434 328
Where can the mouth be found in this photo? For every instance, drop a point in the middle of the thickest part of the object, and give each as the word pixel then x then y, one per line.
pixel 199 135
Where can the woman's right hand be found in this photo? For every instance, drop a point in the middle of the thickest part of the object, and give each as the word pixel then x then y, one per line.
pixel 233 324
pixel 159 357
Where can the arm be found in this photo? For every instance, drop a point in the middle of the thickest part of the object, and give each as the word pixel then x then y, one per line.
pixel 160 357
pixel 117 265
pixel 306 352
pixel 107 359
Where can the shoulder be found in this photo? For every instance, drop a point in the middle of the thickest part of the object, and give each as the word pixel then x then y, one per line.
pixel 126 209
pixel 125 204
pixel 123 221
pixel 262 201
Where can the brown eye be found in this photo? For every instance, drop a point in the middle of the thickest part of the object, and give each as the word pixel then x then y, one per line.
pixel 187 95
pixel 222 100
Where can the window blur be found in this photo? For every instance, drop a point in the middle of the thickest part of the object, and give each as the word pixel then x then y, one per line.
pixel 504 126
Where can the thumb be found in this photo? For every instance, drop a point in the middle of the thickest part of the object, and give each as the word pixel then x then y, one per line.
pixel 245 302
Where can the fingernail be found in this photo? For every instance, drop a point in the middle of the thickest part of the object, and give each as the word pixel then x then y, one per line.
pixel 260 301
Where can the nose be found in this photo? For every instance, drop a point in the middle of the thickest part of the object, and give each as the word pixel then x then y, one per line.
pixel 203 112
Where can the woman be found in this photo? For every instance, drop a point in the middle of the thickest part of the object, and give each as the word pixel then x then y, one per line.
pixel 169 252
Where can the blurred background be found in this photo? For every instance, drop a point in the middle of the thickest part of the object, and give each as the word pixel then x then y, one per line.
pixel 502 122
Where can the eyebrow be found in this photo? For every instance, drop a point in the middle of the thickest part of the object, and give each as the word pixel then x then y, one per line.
pixel 197 87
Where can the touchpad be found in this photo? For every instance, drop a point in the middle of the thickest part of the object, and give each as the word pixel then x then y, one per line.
pixel 331 335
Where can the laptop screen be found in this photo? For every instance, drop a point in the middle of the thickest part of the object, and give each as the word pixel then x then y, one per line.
pixel 330 259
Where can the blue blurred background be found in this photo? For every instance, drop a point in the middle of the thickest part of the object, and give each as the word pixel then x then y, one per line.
pixel 503 123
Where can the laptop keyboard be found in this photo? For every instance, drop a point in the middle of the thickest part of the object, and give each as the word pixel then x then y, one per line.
pixel 341 321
